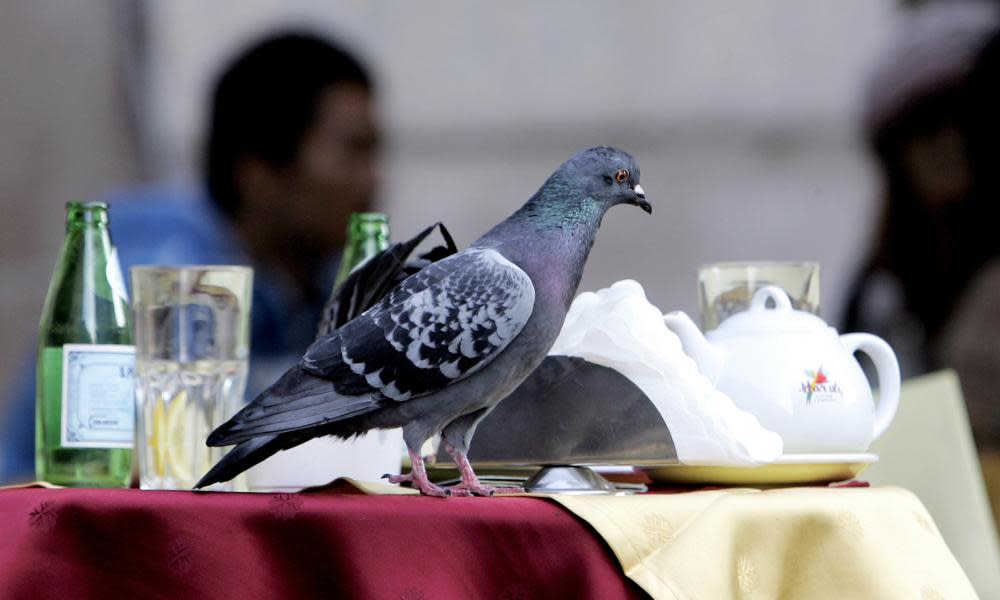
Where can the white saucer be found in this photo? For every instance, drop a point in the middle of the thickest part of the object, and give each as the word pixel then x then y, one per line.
pixel 826 458
pixel 786 469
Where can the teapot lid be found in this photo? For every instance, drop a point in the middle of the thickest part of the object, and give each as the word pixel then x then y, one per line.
pixel 781 318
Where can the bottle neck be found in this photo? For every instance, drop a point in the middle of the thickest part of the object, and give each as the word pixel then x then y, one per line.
pixel 86 215
pixel 367 235
pixel 87 301
pixel 368 226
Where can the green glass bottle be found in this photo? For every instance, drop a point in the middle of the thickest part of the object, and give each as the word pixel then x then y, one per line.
pixel 367 235
pixel 85 396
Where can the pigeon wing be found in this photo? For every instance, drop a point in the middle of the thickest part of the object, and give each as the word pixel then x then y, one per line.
pixel 374 278
pixel 438 326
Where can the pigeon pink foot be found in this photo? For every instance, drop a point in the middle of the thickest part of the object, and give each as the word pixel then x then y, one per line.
pixel 470 482
pixel 417 477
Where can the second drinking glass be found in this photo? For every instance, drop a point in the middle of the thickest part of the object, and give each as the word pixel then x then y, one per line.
pixel 192 334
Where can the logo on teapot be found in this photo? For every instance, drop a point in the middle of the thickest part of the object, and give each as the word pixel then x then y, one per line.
pixel 818 388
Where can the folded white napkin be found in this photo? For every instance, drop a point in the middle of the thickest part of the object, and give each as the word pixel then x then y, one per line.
pixel 617 327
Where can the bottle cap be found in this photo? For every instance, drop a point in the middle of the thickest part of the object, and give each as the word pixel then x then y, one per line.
pixel 87 212
pixel 368 223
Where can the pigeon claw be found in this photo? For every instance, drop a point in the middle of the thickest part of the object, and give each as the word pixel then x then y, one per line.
pixel 475 489
pixel 426 487
pixel 429 489
pixel 398 478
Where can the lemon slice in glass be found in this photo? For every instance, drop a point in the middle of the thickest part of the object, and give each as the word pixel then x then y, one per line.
pixel 157 446
pixel 175 434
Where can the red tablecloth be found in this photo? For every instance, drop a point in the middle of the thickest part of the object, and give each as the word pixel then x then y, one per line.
pixel 73 543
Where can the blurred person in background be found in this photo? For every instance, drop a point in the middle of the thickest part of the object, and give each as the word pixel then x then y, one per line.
pixel 932 286
pixel 290 154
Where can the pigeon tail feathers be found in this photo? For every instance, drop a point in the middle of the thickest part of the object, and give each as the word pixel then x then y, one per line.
pixel 298 400
pixel 247 454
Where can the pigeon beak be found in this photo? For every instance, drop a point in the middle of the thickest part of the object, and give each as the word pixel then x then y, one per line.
pixel 640 200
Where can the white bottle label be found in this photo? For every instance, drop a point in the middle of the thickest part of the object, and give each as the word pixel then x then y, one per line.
pixel 98 396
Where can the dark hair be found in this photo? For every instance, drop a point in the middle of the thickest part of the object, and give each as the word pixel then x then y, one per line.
pixel 933 281
pixel 264 103
pixel 984 137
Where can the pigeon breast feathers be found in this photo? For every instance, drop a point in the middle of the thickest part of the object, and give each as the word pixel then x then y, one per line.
pixel 439 326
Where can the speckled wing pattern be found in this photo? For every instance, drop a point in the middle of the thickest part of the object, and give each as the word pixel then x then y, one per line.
pixel 438 326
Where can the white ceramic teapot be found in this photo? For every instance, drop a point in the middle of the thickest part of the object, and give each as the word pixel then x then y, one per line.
pixel 796 374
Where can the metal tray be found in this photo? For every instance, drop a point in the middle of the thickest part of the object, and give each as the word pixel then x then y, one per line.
pixel 572 412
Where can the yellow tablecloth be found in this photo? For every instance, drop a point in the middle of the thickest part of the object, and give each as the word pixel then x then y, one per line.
pixel 796 543
pixel 867 543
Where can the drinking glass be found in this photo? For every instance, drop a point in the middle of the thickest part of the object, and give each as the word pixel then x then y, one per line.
pixel 192 338
pixel 725 288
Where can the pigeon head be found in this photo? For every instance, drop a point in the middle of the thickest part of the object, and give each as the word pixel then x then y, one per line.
pixel 572 202
pixel 606 175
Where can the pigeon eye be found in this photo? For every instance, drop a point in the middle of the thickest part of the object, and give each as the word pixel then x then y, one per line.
pixel 621 175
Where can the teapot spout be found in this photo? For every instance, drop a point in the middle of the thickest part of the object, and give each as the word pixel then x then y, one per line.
pixel 708 358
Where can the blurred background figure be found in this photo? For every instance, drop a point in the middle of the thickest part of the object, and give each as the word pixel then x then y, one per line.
pixel 927 122
pixel 932 285
pixel 290 154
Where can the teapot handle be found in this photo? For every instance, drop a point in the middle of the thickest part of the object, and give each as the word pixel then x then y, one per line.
pixel 887 368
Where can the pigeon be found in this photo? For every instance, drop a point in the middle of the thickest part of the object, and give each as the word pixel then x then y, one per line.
pixel 442 348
